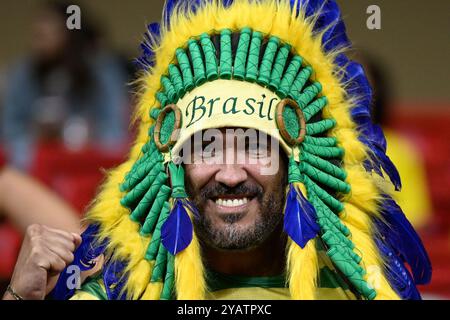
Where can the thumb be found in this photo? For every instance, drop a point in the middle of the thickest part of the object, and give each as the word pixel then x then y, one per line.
pixel 77 240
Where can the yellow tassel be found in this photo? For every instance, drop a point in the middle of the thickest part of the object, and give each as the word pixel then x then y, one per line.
pixel 303 266
pixel 153 291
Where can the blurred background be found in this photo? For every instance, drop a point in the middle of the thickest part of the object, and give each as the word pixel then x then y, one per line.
pixel 65 103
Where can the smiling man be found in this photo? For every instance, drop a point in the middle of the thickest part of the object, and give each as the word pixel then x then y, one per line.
pixel 255 174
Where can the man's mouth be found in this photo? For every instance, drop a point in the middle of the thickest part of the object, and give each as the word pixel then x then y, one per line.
pixel 232 203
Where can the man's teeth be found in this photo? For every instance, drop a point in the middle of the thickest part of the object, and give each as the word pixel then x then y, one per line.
pixel 231 202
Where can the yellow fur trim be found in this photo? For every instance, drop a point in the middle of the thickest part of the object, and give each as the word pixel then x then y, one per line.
pixel 270 17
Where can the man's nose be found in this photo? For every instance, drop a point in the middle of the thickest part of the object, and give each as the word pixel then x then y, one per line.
pixel 231 174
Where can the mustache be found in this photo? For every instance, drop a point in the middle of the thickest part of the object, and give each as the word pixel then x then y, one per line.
pixel 243 189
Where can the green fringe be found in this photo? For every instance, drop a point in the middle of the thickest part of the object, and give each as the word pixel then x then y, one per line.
pixel 153 246
pixel 177 80
pixel 314 108
pixel 159 268
pixel 169 89
pixel 185 66
pixel 299 82
pixel 289 76
pixel 266 63
pixel 321 141
pixel 155 211
pixel 309 94
pixel 334 204
pixel 324 152
pixel 253 57
pixel 210 57
pixel 241 54
pixel 324 178
pixel 323 165
pixel 169 280
pixel 225 54
pixel 278 67
pixel 197 63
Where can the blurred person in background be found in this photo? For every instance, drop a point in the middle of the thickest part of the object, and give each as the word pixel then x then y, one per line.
pixel 24 202
pixel 413 198
pixel 67 89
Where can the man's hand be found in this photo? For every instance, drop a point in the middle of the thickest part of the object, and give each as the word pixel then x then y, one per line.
pixel 45 253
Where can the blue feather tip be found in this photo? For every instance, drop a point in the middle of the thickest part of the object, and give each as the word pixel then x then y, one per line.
pixel 299 217
pixel 177 230
pixel 400 245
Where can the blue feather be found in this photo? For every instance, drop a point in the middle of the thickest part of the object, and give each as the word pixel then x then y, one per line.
pixel 397 274
pixel 177 230
pixel 114 280
pixel 400 236
pixel 381 160
pixel 299 218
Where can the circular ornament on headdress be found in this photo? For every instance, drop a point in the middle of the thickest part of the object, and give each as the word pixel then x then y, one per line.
pixel 167 127
pixel 290 121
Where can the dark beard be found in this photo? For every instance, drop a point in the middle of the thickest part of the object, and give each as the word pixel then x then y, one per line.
pixel 232 237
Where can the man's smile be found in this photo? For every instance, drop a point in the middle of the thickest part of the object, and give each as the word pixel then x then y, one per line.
pixel 231 204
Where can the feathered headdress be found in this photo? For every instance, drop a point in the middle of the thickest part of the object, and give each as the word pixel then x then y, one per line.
pixel 291 53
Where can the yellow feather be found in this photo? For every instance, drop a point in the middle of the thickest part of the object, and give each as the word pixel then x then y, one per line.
pixel 153 291
pixel 303 266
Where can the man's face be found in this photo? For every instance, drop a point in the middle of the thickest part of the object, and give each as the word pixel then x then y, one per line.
pixel 239 203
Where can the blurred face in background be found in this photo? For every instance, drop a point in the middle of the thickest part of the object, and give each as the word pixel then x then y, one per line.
pixel 49 35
